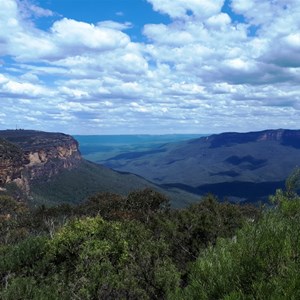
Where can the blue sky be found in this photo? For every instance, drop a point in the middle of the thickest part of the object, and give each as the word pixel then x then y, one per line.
pixel 136 12
pixel 149 66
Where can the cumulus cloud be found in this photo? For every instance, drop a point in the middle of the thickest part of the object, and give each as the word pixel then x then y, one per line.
pixel 218 21
pixel 264 11
pixel 196 73
pixel 25 89
pixel 285 52
pixel 163 34
pixel 66 37
pixel 80 37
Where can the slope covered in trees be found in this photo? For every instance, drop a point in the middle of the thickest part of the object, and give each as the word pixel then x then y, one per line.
pixel 240 166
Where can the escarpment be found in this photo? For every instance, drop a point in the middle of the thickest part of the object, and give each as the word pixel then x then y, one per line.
pixel 27 156
pixel 11 162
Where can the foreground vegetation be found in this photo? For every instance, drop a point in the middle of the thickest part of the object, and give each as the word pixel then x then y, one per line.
pixel 136 247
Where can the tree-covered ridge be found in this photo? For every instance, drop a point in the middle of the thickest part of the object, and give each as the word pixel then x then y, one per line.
pixel 30 140
pixel 239 166
pixel 137 247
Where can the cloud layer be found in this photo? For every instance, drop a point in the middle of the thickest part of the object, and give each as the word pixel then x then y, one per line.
pixel 213 68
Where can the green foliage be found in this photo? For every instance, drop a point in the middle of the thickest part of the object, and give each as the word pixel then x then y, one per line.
pixel 191 230
pixel 293 183
pixel 138 205
pixel 262 262
pixel 146 201
pixel 22 257
pixel 28 288
pixel 113 247
pixel 11 231
pixel 108 205
pixel 90 259
pixel 9 206
pixel 74 186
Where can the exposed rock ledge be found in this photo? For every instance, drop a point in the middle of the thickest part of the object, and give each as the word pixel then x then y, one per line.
pixel 27 155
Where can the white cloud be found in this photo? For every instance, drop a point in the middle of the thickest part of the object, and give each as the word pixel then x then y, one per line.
pixel 164 34
pixel 115 25
pixel 131 63
pixel 3 79
pixel 22 88
pixel 195 74
pixel 180 8
pixel 66 37
pixel 80 36
pixel 40 12
pixel 285 52
pixel 72 93
pixel 28 9
pixel 12 87
pixel 219 21
pixel 264 11
pixel 293 40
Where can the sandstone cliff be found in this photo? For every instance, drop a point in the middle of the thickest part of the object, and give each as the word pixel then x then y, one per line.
pixel 283 136
pixel 27 156
pixel 11 162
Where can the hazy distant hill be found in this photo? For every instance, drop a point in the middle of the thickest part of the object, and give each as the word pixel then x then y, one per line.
pixel 98 148
pixel 244 165
pixel 47 168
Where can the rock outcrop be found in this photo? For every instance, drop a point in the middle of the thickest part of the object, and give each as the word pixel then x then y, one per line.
pixel 27 156
pixel 283 136
pixel 11 162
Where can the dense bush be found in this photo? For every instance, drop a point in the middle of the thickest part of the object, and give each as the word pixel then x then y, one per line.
pixel 110 247
pixel 89 259
pixel 261 262
pixel 137 247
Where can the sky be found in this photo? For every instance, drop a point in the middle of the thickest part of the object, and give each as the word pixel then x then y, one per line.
pixel 149 66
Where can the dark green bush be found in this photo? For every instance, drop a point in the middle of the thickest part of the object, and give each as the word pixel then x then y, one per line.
pixel 262 262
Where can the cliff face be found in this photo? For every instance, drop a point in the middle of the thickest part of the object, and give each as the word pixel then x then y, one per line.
pixel 283 136
pixel 11 162
pixel 27 156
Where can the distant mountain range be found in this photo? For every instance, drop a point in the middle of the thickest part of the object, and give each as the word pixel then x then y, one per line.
pixel 47 168
pixel 98 148
pixel 239 166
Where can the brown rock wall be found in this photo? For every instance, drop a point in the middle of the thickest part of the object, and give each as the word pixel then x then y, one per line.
pixel 27 156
